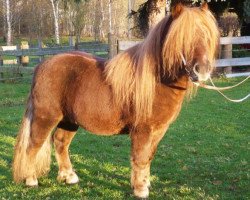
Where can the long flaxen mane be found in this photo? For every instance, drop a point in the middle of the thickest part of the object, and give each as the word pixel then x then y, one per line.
pixel 134 73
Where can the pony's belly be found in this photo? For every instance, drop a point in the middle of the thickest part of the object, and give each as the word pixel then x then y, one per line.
pixel 101 127
pixel 108 124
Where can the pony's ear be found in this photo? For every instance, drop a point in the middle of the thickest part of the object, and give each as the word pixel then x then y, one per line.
pixel 204 6
pixel 177 10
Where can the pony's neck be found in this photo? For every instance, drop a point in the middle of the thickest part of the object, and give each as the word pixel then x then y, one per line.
pixel 179 83
pixel 169 80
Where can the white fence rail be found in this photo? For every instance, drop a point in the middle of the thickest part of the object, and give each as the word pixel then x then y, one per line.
pixel 235 40
pixel 233 62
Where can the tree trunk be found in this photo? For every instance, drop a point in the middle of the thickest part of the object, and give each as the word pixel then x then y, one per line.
pixel 97 21
pixel 8 19
pixel 110 17
pixel 101 32
pixel 55 7
pixel 4 22
pixel 70 21
pixel 131 4
pixel 168 7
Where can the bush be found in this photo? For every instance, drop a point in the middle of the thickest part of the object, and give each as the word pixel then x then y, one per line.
pixel 229 24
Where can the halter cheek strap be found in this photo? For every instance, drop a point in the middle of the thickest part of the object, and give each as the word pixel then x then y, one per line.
pixel 183 59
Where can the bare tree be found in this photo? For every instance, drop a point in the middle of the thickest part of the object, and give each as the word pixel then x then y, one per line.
pixel 79 19
pixel 110 17
pixel 76 11
pixel 3 19
pixel 8 28
pixel 101 32
pixel 131 4
pixel 55 8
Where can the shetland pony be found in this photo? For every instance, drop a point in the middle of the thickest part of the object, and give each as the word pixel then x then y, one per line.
pixel 140 91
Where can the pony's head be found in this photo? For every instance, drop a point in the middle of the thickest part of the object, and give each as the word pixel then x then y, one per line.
pixel 191 43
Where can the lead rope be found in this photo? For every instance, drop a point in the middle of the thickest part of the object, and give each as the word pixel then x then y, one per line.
pixel 219 89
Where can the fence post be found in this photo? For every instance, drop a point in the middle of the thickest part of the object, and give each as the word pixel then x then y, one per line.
pixel 226 52
pixel 40 47
pixel 1 64
pixel 71 41
pixel 18 58
pixel 24 59
pixel 1 57
pixel 112 45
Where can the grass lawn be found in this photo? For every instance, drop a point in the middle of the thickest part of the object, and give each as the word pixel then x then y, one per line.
pixel 204 155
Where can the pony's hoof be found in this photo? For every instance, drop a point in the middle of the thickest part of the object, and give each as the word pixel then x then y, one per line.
pixel 141 193
pixel 31 182
pixel 72 178
pixel 68 177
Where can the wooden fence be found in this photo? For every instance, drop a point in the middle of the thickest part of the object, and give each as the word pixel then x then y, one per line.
pixel 90 47
pixel 115 46
pixel 13 69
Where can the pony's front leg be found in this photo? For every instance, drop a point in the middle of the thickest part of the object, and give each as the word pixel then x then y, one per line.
pixel 62 139
pixel 144 144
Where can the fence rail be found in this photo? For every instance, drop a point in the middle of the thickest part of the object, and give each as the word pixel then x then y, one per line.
pixel 233 62
pixel 16 70
pixel 235 40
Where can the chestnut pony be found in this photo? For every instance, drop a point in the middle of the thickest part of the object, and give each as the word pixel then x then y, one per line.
pixel 139 91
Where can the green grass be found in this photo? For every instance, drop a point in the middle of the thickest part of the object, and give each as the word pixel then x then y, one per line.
pixel 204 155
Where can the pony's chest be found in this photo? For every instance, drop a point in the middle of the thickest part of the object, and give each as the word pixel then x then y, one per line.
pixel 167 105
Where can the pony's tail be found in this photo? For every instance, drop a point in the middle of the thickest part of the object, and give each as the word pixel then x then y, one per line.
pixel 25 165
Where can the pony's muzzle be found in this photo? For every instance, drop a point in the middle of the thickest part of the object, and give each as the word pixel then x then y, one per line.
pixel 202 73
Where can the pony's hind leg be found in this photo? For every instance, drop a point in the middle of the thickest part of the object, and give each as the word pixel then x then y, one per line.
pixel 39 150
pixel 32 150
pixel 62 139
pixel 144 144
